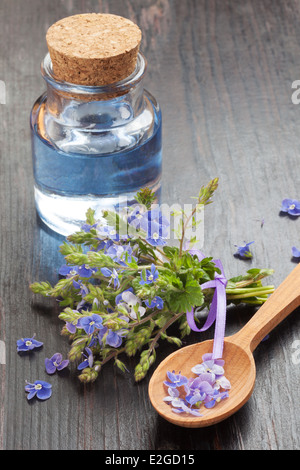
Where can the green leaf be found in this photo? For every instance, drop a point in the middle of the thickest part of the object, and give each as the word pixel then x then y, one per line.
pixel 191 296
pixel 145 197
pixel 90 217
pixel 43 288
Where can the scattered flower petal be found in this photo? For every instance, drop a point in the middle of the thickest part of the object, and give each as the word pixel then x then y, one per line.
pixel 40 388
pixel 295 252
pixel 244 251
pixel 176 380
pixel 27 344
pixel 291 206
pixel 55 363
pixel 207 389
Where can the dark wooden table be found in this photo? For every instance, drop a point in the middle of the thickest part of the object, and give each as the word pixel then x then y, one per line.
pixel 222 71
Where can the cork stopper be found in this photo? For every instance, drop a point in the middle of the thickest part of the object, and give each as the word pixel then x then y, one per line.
pixel 93 49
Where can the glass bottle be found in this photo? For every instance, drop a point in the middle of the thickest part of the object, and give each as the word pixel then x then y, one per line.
pixel 93 147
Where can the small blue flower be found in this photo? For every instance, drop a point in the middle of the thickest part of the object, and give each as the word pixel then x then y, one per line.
pixel 88 227
pixel 176 380
pixel 136 216
pixel 244 251
pixel 119 299
pixel 83 271
pixel 72 326
pixel 55 363
pixel 151 276
pixel 113 275
pixel 27 344
pixel 295 252
pixel 157 302
pixel 156 227
pixel 114 338
pixel 119 253
pixel 106 231
pixel 209 365
pixel 89 360
pixel 216 397
pixel 291 206
pixel 39 388
pixel 90 323
pixel 132 304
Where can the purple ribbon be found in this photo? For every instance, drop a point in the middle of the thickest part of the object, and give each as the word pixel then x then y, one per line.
pixel 217 312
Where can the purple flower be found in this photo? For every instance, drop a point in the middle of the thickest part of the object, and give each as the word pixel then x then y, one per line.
pixel 209 365
pixel 132 304
pixel 119 299
pixel 183 408
pixel 156 227
pixel 291 206
pixel 72 326
pixel 114 338
pixel 113 275
pixel 55 363
pixel 215 398
pixel 27 344
pixel 209 388
pixel 173 393
pixel 106 231
pixel 151 276
pixel 90 323
pixel 40 389
pixel 89 360
pixel 176 380
pixel 121 253
pixel 136 216
pixel 156 302
pixel 199 388
pixel 81 271
pixel 244 251
pixel 179 404
pixel 88 227
pixel 295 252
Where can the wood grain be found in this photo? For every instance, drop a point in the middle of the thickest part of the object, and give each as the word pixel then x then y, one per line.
pixel 222 71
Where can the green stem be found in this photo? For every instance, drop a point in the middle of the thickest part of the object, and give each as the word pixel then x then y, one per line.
pixel 112 355
pixel 250 289
pixel 249 294
pixel 162 330
pixel 145 319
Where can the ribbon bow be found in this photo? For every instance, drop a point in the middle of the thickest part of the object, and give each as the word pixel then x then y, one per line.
pixel 217 312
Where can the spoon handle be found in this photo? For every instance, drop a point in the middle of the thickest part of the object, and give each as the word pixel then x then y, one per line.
pixel 284 300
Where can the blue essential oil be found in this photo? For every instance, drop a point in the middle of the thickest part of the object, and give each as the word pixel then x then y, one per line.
pixel 68 183
pixel 93 152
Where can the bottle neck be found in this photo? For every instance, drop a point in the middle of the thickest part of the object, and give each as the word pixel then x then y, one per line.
pixel 93 107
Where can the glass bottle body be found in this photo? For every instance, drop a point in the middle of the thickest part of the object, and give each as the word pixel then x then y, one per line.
pixel 93 147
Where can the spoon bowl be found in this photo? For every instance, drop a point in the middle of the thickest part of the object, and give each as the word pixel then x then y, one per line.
pixel 240 372
pixel 238 356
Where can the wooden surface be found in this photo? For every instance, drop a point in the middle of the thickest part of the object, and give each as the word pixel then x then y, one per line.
pixel 222 71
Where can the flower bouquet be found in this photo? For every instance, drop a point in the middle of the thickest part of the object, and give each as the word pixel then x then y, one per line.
pixel 122 285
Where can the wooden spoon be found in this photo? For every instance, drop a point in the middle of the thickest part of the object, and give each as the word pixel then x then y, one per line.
pixel 237 353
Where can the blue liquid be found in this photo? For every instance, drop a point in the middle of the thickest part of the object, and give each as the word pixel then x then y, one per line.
pixel 67 184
